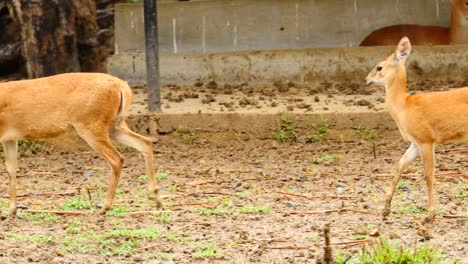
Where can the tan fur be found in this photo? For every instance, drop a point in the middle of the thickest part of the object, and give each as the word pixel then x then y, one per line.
pixel 424 120
pixel 90 103
pixel 426 35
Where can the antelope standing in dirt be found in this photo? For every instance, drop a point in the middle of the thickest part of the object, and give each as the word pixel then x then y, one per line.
pixel 457 33
pixel 93 104
pixel 424 120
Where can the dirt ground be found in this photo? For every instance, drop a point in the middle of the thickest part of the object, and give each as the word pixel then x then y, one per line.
pixel 236 197
pixel 231 198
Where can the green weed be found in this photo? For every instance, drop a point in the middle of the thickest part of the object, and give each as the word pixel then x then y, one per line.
pixel 385 252
pixel 206 250
pixel 251 209
pixel 76 204
pixel 118 211
pixel 320 131
pixel 286 131
pixel 365 133
pixel 327 159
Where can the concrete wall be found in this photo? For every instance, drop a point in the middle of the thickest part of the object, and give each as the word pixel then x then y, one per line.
pixel 205 26
pixel 306 65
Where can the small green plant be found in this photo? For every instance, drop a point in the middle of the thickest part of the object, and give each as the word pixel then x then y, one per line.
pixel 41 218
pixel 359 237
pixel 118 211
pixel 320 131
pixel 161 255
pixel 462 194
pixel 410 207
pixel 209 211
pixel 251 209
pixel 313 238
pixel 327 159
pixel 186 136
pixel 365 133
pixel 39 239
pixel 162 175
pixel 385 252
pixel 164 217
pixel 77 243
pixel 402 184
pixel 286 131
pixel 74 227
pixel 31 145
pixel 206 250
pixel 76 204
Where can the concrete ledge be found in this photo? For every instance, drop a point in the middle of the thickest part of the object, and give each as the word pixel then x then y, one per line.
pixel 261 124
pixel 301 66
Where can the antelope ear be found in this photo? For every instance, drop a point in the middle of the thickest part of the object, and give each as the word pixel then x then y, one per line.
pixel 403 49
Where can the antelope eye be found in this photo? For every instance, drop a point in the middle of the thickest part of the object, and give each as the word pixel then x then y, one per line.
pixel 379 68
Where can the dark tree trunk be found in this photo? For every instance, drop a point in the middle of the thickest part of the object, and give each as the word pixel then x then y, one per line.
pixel 46 37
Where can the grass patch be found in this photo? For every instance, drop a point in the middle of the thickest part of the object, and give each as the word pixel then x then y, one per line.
pixel 251 209
pixel 286 131
pixel 118 211
pixel 206 250
pixel 162 175
pixel 39 239
pixel 164 217
pixel 31 145
pixel 76 204
pixel 326 159
pixel 365 133
pixel 320 131
pixel 209 211
pixel 385 252
pixel 40 218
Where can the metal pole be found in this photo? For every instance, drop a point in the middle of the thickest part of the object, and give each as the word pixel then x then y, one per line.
pixel 152 55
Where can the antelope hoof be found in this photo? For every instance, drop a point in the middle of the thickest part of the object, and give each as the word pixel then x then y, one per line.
pixel 429 219
pixel 13 213
pixel 155 197
pixel 102 211
pixel 386 212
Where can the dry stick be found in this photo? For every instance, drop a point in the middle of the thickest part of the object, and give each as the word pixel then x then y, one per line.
pixel 272 240
pixel 351 242
pixel 148 247
pixel 57 212
pixel 327 256
pixel 147 212
pixel 290 247
pixel 374 150
pixel 455 216
pixel 41 194
pixel 328 211
pixel 316 196
pixel 204 204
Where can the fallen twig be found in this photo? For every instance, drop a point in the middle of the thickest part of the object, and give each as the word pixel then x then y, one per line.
pixel 204 204
pixel 361 241
pixel 42 194
pixel 329 211
pixel 317 196
pixel 455 216
pixel 147 212
pixel 57 212
pixel 290 247
pixel 273 240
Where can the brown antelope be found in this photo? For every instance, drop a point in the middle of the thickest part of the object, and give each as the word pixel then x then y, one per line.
pixel 423 35
pixel 95 105
pixel 423 119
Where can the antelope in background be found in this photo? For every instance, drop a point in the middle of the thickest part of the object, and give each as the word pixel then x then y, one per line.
pixel 95 105
pixel 457 33
pixel 424 120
